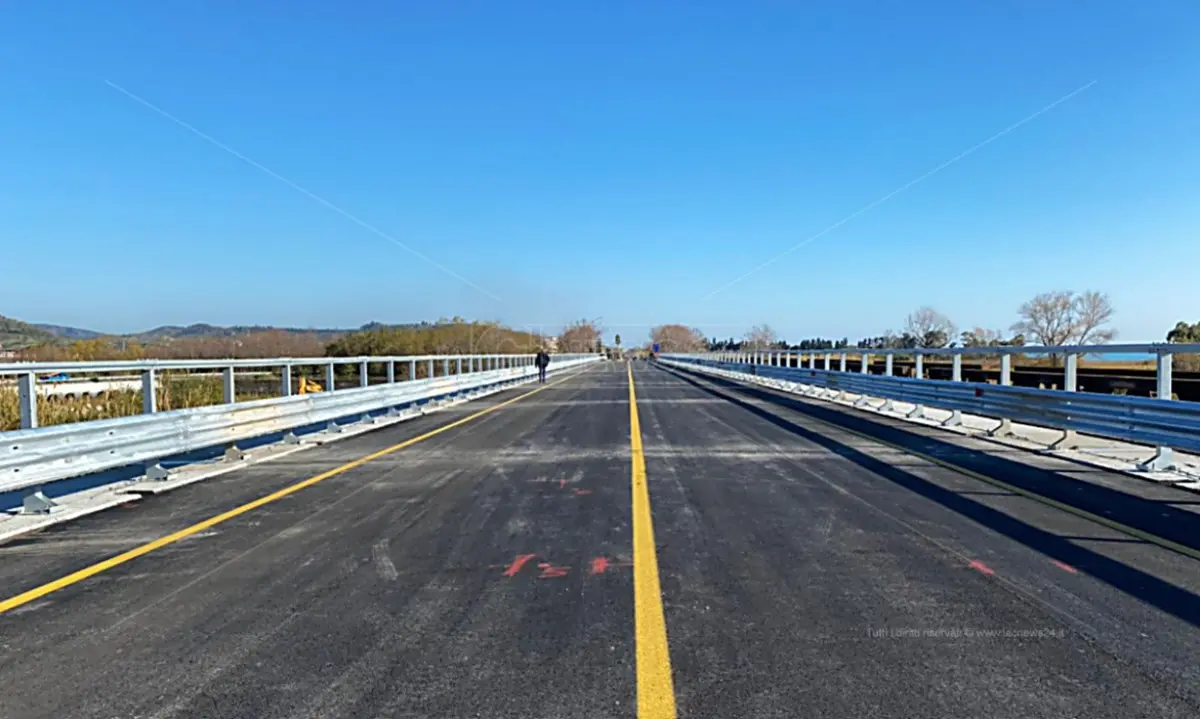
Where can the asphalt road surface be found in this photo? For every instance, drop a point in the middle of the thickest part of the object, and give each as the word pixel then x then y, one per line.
pixel 741 554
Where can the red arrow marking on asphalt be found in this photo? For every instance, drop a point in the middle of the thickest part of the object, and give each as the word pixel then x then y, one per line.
pixel 981 567
pixel 1065 567
pixel 519 562
pixel 599 565
pixel 581 492
pixel 550 571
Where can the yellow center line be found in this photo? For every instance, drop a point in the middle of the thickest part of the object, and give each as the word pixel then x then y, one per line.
pixel 655 689
pixel 91 571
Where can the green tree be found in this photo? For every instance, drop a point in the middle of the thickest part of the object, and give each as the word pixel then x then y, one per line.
pixel 1185 333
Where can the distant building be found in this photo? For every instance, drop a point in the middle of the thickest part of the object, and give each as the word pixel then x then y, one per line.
pixel 551 344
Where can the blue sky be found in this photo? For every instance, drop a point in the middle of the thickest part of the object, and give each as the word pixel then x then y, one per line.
pixel 619 160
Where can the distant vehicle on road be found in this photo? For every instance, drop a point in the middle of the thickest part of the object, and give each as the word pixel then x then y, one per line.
pixel 60 377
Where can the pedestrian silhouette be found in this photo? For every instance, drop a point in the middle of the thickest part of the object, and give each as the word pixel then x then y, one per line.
pixel 542 361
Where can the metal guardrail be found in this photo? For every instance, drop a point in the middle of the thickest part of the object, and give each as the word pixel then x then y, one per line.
pixel 36 456
pixel 1162 423
pixel 1163 354
pixel 27 374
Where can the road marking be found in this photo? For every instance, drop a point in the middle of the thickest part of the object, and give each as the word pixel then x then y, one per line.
pixel 549 571
pixel 91 571
pixel 980 567
pixel 520 561
pixel 655 688
pixel 1064 566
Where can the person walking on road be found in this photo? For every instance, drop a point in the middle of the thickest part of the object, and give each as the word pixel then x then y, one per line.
pixel 542 361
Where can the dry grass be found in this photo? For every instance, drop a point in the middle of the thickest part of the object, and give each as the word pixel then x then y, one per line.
pixel 173 393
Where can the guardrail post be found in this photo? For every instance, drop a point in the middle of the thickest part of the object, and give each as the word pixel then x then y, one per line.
pixel 412 370
pixel 446 368
pixel 1071 373
pixel 330 377
pixel 828 361
pixel 890 364
pixel 430 369
pixel 1070 382
pixel 1005 428
pixel 866 363
pixel 27 389
pixel 229 388
pixel 1164 458
pixel 458 365
pixel 391 372
pixel 1163 379
pixel 843 369
pixel 149 392
pixel 364 376
pixel 919 370
pixel 285 384
pixel 957 371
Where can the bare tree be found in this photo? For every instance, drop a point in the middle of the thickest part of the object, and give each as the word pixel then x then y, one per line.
pixel 678 338
pixel 760 337
pixel 930 328
pixel 1064 318
pixel 580 336
pixel 1093 310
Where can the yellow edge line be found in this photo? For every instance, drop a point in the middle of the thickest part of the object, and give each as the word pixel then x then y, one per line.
pixel 655 689
pixel 1041 499
pixel 91 571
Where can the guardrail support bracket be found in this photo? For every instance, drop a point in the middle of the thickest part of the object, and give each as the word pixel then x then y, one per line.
pixel 37 503
pixel 291 438
pixel 1162 461
pixel 954 420
pixel 887 405
pixel 157 473
pixel 234 454
pixel 1003 430
pixel 1067 441
pixel 917 412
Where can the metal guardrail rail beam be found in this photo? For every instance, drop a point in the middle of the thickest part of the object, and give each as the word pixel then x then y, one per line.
pixel 27 374
pixel 1157 422
pixel 39 455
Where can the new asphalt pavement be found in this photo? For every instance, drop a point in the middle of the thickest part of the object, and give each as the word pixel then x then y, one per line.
pixel 808 561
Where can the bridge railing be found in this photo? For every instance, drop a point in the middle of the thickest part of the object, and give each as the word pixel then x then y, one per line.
pixel 34 455
pixel 1154 421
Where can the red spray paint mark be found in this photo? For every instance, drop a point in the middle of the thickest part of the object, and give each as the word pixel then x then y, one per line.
pixel 549 571
pixel 981 567
pixel 1065 567
pixel 562 483
pixel 581 492
pixel 599 565
pixel 519 562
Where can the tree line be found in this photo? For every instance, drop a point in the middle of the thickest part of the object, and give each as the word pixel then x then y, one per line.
pixel 1049 318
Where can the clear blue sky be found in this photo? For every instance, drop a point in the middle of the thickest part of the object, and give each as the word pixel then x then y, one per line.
pixel 619 160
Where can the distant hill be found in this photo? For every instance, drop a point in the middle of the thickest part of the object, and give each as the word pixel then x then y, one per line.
pixel 15 335
pixel 170 332
pixel 70 333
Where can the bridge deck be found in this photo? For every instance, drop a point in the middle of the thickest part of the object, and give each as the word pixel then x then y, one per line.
pixel 488 571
